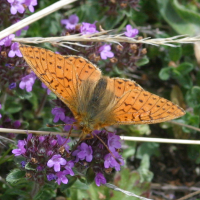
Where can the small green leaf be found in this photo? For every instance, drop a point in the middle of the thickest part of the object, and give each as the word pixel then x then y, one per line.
pixel 142 61
pixel 13 107
pixel 15 175
pixel 90 175
pixel 28 166
pixel 175 53
pixel 145 173
pixel 165 73
pixel 185 68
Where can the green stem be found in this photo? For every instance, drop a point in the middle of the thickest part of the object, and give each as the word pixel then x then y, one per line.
pixel 35 190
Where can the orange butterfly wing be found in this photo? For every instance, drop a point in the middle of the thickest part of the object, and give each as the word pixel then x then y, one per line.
pixel 137 106
pixel 61 74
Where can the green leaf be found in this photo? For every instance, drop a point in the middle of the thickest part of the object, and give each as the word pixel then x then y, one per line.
pixel 185 81
pixel 15 175
pixel 185 68
pixel 90 175
pixel 175 53
pixel 165 73
pixel 12 107
pixel 145 173
pixel 182 20
pixel 142 61
pixel 149 148
pixel 71 181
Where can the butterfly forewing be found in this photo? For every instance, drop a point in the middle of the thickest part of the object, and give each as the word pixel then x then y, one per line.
pixel 55 71
pixel 84 69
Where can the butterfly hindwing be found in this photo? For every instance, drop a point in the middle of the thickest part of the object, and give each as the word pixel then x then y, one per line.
pixel 137 106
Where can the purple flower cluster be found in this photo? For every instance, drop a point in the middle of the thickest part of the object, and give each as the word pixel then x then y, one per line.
pixel 17 5
pixel 48 155
pixel 14 49
pixel 52 158
pixel 105 51
pixel 12 68
pixel 96 155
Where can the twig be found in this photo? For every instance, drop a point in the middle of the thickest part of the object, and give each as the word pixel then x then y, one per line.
pixel 185 125
pixel 34 17
pixel 6 139
pixel 127 138
pixel 20 131
pixel 158 186
pixel 189 195
pixel 125 191
pixel 105 37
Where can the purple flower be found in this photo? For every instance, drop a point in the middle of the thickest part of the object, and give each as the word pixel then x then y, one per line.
pixel 16 6
pixel 30 4
pixel 41 139
pixel 0 106
pixel 7 40
pixel 84 151
pixel 100 179
pixel 17 124
pixel 21 150
pixel 69 123
pixel 50 153
pixel 105 52
pixel 113 142
pixel 59 114
pixel 51 177
pixel 53 142
pixel 23 163
pixel 63 142
pixel 69 166
pixel 110 161
pixel 62 177
pixel 56 161
pixel 39 168
pixel 27 82
pixel 14 50
pixel 12 85
pixel 88 28
pixel 45 87
pixel 70 23
pixel 131 32
pixel 30 135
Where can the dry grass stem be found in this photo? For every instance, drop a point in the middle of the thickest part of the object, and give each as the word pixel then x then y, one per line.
pixel 34 17
pixel 105 37
pixel 21 131
pixel 126 138
pixel 125 191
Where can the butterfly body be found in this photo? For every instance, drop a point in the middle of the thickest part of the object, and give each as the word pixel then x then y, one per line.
pixel 95 105
pixel 97 101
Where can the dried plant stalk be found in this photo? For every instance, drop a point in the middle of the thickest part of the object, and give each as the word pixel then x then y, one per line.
pixel 105 37
pixel 126 138
pixel 34 17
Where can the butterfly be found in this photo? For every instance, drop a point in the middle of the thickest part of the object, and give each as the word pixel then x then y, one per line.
pixel 97 101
